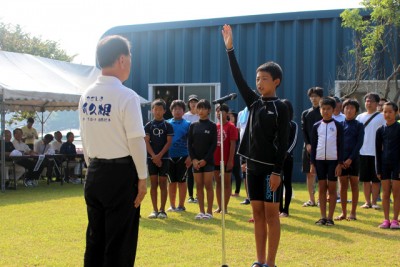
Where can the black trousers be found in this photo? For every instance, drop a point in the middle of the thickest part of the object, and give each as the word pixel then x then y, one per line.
pixel 112 232
pixel 190 181
pixel 287 182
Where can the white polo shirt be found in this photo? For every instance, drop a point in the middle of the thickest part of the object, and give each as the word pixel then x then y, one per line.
pixel 21 146
pixel 368 147
pixel 109 115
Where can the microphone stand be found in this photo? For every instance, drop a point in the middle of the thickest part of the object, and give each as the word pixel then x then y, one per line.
pixel 222 176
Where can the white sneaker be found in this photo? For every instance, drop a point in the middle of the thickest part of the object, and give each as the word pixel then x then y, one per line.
pixel 199 216
pixel 153 215
pixel 162 215
pixel 376 207
pixel 171 209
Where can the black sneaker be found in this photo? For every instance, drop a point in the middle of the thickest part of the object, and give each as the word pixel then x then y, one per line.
pixel 321 221
pixel 329 223
pixel 246 201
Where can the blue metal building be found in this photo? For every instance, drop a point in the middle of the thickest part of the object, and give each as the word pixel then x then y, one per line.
pixel 175 59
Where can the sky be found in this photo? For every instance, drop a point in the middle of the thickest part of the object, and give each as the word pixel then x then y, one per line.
pixel 77 25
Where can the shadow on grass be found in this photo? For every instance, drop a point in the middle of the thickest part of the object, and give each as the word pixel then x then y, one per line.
pixel 40 193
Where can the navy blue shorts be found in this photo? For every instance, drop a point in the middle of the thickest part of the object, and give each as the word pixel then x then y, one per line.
pixel 177 170
pixel 206 168
pixel 155 170
pixel 390 172
pixel 326 170
pixel 367 169
pixel 352 170
pixel 258 183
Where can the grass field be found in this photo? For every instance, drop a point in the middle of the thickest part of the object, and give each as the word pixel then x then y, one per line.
pixel 45 226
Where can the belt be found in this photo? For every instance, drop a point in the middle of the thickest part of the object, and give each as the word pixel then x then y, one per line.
pixel 124 160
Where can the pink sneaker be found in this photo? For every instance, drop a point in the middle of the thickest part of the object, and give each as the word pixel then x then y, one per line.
pixel 385 224
pixel 394 224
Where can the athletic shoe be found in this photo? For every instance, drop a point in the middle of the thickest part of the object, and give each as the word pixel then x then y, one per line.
pixel 329 223
pixel 246 201
pixel 366 206
pixel 309 204
pixel 192 200
pixel 199 216
pixel 376 207
pixel 283 215
pixel 162 215
pixel 28 183
pixel 75 181
pixel 180 209
pixel 153 215
pixel 171 209
pixel 394 224
pixel 321 221
pixel 207 216
pixel 385 224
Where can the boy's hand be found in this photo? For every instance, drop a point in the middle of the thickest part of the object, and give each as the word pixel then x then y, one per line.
pixel 196 164
pixel 347 163
pixel 202 163
pixel 188 162
pixel 308 148
pixel 244 167
pixel 338 170
pixel 229 165
pixel 228 36
pixel 274 182
pixel 379 176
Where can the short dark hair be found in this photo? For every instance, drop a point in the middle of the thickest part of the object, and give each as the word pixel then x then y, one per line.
pixel 69 134
pixel 394 106
pixel 57 132
pixel 319 91
pixel 110 48
pixel 16 130
pixel 272 68
pixel 289 106
pixel 352 102
pixel 48 137
pixel 372 95
pixel 327 101
pixel 223 107
pixel 159 102
pixel 31 120
pixel 204 103
pixel 383 99
pixel 178 103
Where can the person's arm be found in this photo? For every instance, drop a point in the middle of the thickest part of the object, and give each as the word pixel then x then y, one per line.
pixel 360 140
pixel 314 143
pixel 293 137
pixel 214 136
pixel 378 151
pixel 137 148
pixel 35 134
pixel 233 136
pixel 248 95
pixel 340 148
pixel 170 135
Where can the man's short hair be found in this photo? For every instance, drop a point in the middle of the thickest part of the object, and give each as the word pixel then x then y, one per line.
pixel 223 107
pixel 394 106
pixel 327 101
pixel 272 68
pixel 373 96
pixel 57 132
pixel 31 120
pixel 351 102
pixel 48 137
pixel 110 48
pixel 319 91
pixel 159 102
pixel 204 103
pixel 177 103
pixel 69 134
pixel 16 130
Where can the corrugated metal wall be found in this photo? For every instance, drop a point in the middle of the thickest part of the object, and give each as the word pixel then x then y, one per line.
pixel 307 45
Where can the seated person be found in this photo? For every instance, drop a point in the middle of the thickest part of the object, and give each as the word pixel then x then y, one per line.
pixel 68 148
pixel 9 147
pixel 56 144
pixel 32 176
pixel 43 147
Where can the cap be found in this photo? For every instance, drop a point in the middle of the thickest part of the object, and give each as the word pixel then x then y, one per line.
pixel 193 97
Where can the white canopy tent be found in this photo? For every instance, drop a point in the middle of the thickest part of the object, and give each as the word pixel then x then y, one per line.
pixel 31 83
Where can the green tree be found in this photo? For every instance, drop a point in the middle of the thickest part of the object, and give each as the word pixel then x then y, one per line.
pixel 14 39
pixel 376 34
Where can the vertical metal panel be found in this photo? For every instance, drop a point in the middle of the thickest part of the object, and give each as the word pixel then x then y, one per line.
pixel 308 46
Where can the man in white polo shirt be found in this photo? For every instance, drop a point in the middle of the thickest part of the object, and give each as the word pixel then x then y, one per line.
pixel 113 144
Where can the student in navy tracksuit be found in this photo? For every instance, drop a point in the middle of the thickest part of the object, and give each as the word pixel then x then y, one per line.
pixel 327 157
pixel 387 145
pixel 353 132
pixel 264 146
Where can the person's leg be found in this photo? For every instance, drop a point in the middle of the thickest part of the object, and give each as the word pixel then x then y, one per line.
pixel 172 193
pixel 237 174
pixel 218 190
pixel 182 194
pixel 163 182
pixel 386 188
pixel 375 192
pixel 310 187
pixel 354 196
pixel 367 192
pixel 396 199
pixel 208 184
pixel 260 229
pixel 344 186
pixel 153 191
pixel 273 230
pixel 287 182
pixel 332 199
pixel 199 179
pixel 227 189
pixel 190 182
pixel 322 187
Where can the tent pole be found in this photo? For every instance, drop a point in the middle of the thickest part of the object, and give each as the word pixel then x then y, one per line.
pixel 3 156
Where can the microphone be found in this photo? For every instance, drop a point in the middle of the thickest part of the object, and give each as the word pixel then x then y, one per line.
pixel 225 98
